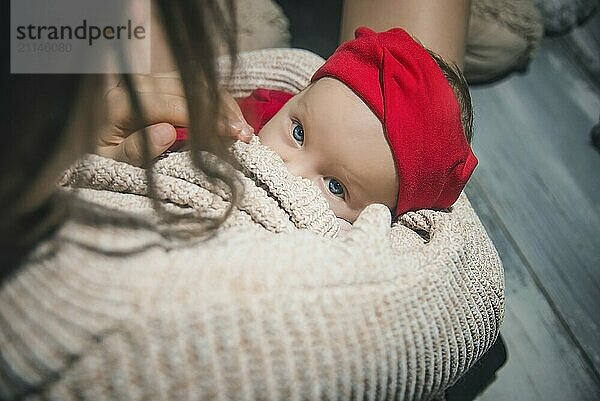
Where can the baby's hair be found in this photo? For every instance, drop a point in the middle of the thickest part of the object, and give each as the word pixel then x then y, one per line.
pixel 459 86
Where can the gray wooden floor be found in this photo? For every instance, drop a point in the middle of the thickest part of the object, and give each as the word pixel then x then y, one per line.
pixel 537 191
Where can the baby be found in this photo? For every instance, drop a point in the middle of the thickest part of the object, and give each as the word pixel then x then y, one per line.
pixel 379 123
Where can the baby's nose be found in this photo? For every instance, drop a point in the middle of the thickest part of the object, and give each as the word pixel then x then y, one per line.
pixel 294 168
pixel 300 168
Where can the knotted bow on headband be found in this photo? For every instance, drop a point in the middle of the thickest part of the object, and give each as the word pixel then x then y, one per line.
pixel 402 84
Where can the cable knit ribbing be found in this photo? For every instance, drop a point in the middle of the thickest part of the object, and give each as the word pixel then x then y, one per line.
pixel 287 70
pixel 520 16
pixel 297 196
pixel 262 310
pixel 378 314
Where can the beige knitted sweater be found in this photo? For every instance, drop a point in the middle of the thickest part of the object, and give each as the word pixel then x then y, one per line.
pixel 272 306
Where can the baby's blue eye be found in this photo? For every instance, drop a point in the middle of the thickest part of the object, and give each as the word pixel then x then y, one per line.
pixel 335 187
pixel 298 132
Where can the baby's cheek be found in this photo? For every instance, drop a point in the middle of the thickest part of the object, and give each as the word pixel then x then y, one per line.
pixel 268 137
pixel 344 215
pixel 345 227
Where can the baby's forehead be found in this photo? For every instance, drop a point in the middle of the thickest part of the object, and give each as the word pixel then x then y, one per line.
pixel 330 88
pixel 334 105
pixel 349 137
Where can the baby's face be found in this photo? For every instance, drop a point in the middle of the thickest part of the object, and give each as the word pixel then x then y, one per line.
pixel 328 134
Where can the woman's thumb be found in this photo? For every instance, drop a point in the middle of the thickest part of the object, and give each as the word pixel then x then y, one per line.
pixel 160 138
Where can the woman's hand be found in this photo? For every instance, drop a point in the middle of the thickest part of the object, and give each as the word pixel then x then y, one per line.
pixel 162 99
pixel 232 122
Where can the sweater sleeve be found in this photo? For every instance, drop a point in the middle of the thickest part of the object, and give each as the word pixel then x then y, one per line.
pixel 343 321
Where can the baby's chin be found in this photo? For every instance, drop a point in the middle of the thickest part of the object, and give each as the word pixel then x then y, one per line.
pixel 345 227
pixel 347 224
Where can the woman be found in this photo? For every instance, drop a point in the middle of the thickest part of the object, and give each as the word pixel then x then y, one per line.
pixel 52 129
pixel 65 118
pixel 97 304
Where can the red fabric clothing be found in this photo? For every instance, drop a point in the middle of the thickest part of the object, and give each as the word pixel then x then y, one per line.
pixel 405 88
pixel 258 108
pixel 262 105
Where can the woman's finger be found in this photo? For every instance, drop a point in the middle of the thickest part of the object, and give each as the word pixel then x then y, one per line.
pixel 232 122
pixel 131 150
pixel 156 107
pixel 169 84
pixel 236 129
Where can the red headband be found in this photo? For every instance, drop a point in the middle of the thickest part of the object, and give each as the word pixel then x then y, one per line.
pixel 402 84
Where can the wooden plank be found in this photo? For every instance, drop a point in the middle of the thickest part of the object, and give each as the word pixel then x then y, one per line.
pixel 543 362
pixel 541 176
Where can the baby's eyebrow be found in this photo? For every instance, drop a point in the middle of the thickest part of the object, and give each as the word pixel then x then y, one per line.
pixel 302 105
pixel 346 175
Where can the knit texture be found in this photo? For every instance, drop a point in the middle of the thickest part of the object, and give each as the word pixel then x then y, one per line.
pixel 273 306
pixel 520 16
pixel 502 37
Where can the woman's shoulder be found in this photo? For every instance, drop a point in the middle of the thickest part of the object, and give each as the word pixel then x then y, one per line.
pixel 99 297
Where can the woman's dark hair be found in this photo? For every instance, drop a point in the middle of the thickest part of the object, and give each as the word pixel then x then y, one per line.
pixel 40 108
pixel 195 30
